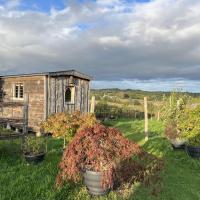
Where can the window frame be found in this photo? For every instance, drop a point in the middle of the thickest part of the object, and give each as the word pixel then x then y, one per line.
pixel 72 89
pixel 18 96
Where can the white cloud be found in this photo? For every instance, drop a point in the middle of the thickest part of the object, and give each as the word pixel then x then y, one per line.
pixel 112 41
pixel 108 2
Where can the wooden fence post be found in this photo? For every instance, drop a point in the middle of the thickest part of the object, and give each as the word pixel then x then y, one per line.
pixel 92 107
pixel 170 101
pixel 146 119
pixel 158 116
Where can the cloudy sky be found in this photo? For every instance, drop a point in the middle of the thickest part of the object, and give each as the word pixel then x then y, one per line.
pixel 142 44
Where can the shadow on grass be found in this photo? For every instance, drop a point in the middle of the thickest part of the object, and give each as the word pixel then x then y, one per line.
pixel 10 152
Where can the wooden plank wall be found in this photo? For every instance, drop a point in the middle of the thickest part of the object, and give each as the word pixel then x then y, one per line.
pixel 57 87
pixel 34 87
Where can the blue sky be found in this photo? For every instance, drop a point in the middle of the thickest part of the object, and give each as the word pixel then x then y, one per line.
pixel 41 5
pixel 46 5
pixel 121 43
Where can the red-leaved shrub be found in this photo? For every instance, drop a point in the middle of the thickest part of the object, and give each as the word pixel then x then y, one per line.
pixel 98 149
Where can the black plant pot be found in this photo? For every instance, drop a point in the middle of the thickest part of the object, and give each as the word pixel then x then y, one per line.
pixel 93 182
pixel 194 152
pixel 34 159
pixel 180 147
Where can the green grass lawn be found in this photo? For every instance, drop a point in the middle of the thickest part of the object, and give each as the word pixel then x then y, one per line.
pixel 20 181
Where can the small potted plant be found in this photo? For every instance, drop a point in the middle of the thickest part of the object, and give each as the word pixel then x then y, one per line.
pixel 94 153
pixel 174 106
pixel 189 124
pixel 5 131
pixel 34 149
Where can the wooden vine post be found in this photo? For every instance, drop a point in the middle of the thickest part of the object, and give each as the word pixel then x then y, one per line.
pixel 25 114
pixel 146 119
pixel 158 116
pixel 92 107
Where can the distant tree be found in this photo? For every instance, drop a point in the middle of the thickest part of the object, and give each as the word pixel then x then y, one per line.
pixel 136 102
pixel 126 96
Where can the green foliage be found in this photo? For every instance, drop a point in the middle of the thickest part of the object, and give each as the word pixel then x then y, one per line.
pixel 172 110
pixel 174 106
pixel 61 125
pixel 34 145
pixel 65 125
pixel 189 125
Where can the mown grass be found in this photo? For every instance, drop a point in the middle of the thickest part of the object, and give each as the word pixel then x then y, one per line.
pixel 20 181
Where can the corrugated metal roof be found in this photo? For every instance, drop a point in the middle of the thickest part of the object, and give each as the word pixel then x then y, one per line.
pixel 56 73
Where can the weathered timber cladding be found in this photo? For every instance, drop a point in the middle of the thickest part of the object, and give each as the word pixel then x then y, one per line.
pixel 34 87
pixel 56 98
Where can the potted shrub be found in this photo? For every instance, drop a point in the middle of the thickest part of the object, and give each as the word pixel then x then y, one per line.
pixel 174 106
pixel 34 149
pixel 173 134
pixel 189 124
pixel 94 153
pixel 65 125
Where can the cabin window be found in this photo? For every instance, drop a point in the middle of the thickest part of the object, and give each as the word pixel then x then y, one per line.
pixel 69 94
pixel 19 91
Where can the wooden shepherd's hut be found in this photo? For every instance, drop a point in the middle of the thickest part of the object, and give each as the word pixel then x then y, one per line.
pixel 44 93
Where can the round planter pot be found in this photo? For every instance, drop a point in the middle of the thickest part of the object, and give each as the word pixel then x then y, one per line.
pixel 93 182
pixel 194 152
pixel 178 144
pixel 34 159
